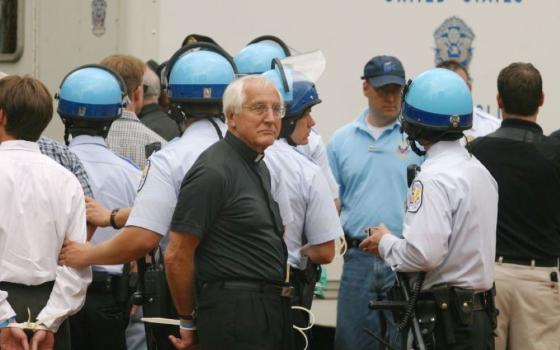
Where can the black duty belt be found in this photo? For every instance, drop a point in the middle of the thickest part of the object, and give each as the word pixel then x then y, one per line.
pixel 285 291
pixel 103 282
pixel 529 262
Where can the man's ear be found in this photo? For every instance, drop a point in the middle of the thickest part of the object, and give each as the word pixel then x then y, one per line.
pixel 541 101
pixel 365 87
pixel 500 101
pixel 138 95
pixel 230 119
pixel 3 119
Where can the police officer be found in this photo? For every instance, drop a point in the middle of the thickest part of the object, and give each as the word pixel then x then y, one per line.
pixel 90 99
pixel 450 222
pixel 196 79
pixel 311 234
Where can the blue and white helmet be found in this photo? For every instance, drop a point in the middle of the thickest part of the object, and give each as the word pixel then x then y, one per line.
pixel 439 100
pixel 299 93
pixel 92 93
pixel 257 56
pixel 200 73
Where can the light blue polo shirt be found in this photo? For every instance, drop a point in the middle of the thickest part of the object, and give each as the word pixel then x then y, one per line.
pixel 371 174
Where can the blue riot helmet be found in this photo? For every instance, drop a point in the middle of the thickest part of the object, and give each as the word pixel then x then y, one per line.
pixel 257 56
pixel 283 79
pixel 91 97
pixel 305 96
pixel 299 96
pixel 195 78
pixel 199 73
pixel 437 106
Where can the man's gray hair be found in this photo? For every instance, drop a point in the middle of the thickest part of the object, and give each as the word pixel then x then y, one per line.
pixel 235 96
pixel 3 75
pixel 151 83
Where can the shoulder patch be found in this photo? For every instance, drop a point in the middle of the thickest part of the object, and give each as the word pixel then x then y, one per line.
pixel 144 175
pixel 414 201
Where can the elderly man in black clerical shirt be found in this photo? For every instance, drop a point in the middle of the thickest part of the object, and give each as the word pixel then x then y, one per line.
pixel 226 243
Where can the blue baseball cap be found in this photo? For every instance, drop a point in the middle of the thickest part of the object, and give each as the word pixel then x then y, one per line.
pixel 383 70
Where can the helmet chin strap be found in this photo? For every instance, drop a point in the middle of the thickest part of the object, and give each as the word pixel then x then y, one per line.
pixel 415 148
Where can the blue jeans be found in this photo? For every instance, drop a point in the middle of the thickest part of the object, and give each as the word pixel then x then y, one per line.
pixel 364 278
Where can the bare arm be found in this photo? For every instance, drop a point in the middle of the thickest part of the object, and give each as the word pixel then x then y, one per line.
pixel 132 243
pixel 321 253
pixel 100 216
pixel 179 266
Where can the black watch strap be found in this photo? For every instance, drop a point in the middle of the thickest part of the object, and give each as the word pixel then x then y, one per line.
pixel 112 218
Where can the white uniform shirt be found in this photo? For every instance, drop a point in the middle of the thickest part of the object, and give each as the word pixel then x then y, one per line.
pixel 483 124
pixel 113 181
pixel 312 206
pixel 164 173
pixel 316 151
pixel 42 205
pixel 450 224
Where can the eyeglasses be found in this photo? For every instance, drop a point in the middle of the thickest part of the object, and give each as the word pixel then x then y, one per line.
pixel 261 109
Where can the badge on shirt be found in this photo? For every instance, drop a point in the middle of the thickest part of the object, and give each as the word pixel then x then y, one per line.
pixel 144 175
pixel 402 149
pixel 415 197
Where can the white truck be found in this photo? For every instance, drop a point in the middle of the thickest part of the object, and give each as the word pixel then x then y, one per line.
pixel 48 38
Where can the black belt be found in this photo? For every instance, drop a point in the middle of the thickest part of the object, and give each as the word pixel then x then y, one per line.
pixel 529 262
pixel 285 291
pixel 352 242
pixel 103 282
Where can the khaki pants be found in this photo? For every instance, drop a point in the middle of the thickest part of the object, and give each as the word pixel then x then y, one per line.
pixel 529 304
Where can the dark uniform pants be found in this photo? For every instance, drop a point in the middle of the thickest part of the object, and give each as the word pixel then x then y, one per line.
pixel 237 319
pixel 100 324
pixel 35 298
pixel 478 336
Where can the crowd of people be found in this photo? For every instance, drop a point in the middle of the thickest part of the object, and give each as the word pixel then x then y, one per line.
pixel 194 202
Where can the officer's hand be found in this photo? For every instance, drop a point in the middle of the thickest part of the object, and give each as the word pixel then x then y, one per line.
pixel 13 339
pixel 42 340
pixel 97 214
pixel 74 254
pixel 371 244
pixel 188 340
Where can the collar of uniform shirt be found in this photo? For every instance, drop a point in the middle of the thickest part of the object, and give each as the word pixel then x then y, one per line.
pixel 19 145
pixel 361 122
pixel 245 151
pixel 89 140
pixel 443 147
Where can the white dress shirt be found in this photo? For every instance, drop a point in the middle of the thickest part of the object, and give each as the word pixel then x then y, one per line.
pixel 483 124
pixel 311 202
pixel 161 182
pixel 317 152
pixel 113 179
pixel 43 204
pixel 450 224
